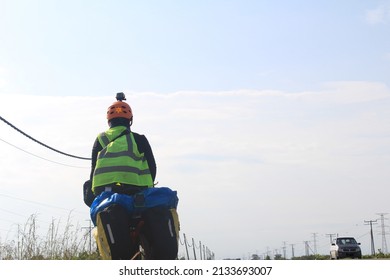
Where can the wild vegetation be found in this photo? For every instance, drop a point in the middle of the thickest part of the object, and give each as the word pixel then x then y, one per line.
pixel 60 243
pixel 72 242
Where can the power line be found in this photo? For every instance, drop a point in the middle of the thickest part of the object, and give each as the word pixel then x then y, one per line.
pixel 35 140
pixel 13 213
pixel 37 203
pixel 52 161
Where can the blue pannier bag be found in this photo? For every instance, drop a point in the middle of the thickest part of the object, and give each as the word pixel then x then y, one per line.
pixel 135 204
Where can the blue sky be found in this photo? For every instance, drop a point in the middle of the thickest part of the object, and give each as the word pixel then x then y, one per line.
pixel 261 113
pixel 91 47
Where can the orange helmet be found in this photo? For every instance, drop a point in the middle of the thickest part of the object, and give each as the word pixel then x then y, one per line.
pixel 119 109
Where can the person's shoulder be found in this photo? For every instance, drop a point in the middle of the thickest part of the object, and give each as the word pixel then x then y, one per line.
pixel 138 136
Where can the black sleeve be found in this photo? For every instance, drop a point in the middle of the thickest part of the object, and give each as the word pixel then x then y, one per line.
pixel 87 193
pixel 144 147
pixel 95 150
pixel 87 187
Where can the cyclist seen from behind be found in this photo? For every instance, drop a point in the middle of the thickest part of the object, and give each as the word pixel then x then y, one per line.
pixel 123 167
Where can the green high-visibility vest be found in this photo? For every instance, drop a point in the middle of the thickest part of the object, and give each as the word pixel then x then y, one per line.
pixel 120 161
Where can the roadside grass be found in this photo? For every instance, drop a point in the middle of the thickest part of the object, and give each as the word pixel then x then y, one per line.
pixel 73 242
pixel 60 243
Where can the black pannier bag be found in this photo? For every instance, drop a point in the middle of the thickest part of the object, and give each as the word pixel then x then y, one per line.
pixel 124 222
pixel 161 232
pixel 113 233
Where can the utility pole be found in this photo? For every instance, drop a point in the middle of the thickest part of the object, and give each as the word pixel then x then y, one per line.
pixel 330 237
pixel 268 253
pixel 284 250
pixel 292 251
pixel 370 222
pixel 90 235
pixel 384 243
pixel 315 243
pixel 306 247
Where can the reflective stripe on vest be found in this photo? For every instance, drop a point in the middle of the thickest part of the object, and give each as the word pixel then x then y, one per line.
pixel 129 152
pixel 120 161
pixel 103 139
pixel 107 169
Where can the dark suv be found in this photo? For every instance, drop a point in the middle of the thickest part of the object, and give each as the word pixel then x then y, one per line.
pixel 345 247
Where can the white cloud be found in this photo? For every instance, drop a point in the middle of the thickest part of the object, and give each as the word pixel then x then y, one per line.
pixel 379 15
pixel 3 80
pixel 347 92
pixel 231 156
